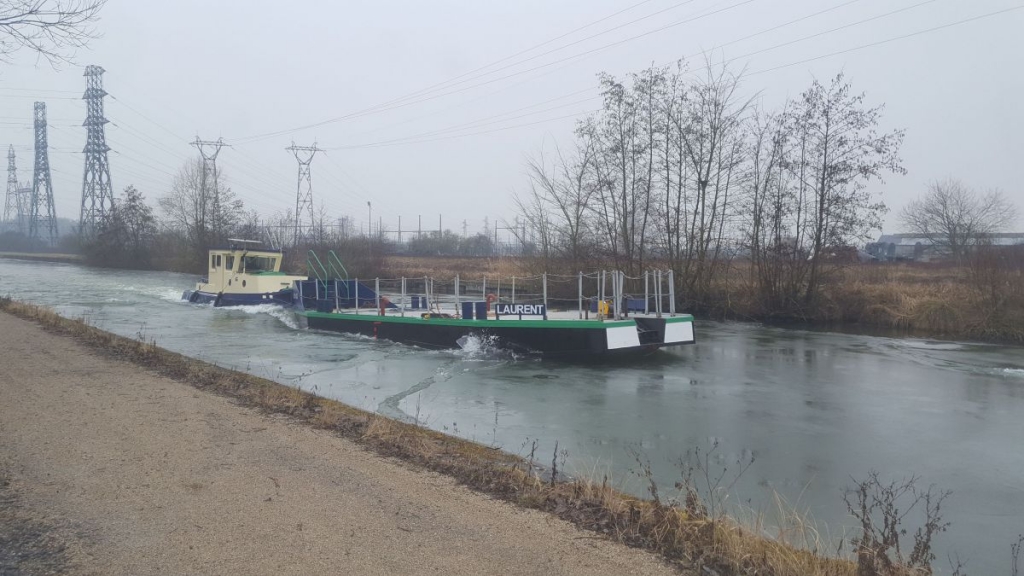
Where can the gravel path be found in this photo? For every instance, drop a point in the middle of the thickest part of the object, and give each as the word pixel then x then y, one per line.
pixel 109 469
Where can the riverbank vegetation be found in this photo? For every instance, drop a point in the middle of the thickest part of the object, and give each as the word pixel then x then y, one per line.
pixel 983 299
pixel 687 525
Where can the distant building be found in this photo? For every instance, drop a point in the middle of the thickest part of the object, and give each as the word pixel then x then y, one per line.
pixel 923 249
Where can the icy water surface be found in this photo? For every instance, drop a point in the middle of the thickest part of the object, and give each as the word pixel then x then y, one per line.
pixel 813 409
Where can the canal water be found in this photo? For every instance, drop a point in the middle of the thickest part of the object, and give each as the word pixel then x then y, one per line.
pixel 813 410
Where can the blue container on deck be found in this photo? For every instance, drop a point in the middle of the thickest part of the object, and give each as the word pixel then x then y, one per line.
pixel 415 302
pixel 635 304
pixel 481 310
pixel 467 310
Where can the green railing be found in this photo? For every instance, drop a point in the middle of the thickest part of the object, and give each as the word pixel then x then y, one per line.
pixel 336 266
pixel 334 270
pixel 316 267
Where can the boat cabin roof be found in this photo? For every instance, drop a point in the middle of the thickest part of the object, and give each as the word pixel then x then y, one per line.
pixel 245 260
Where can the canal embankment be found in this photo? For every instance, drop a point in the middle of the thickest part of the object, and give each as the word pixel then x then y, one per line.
pixel 44 257
pixel 234 473
pixel 124 470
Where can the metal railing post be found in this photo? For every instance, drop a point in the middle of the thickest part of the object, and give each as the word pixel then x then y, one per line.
pixel 544 281
pixel 615 300
pixel 657 293
pixel 357 295
pixel 376 289
pixel 403 296
pixel 671 293
pixel 647 292
pixel 580 295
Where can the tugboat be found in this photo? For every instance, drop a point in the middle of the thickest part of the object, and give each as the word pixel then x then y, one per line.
pixel 244 274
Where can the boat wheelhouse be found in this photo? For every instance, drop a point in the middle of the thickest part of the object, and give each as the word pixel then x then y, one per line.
pixel 244 274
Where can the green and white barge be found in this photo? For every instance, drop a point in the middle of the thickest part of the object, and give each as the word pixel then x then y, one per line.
pixel 602 324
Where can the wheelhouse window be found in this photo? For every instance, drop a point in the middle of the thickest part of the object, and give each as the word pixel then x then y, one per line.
pixel 258 264
pixel 230 262
pixel 215 261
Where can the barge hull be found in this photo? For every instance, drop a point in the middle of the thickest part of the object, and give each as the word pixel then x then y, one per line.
pixel 554 338
pixel 280 298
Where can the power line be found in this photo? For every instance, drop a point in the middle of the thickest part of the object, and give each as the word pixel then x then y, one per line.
pixel 465 126
pixel 888 40
pixel 374 110
pixel 553 50
pixel 826 32
pixel 776 27
pixel 576 115
pixel 506 58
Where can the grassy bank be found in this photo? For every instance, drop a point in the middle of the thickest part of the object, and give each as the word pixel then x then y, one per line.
pixel 681 530
pixel 926 300
pixel 941 301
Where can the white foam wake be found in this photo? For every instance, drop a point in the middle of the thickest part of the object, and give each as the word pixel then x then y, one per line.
pixel 287 317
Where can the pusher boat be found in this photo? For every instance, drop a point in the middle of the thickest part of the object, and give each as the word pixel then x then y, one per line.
pixel 244 274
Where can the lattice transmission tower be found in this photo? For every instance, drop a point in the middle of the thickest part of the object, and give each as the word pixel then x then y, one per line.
pixel 304 188
pixel 14 209
pixel 42 215
pixel 212 222
pixel 97 190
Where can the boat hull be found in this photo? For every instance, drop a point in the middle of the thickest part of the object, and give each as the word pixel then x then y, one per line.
pixel 554 338
pixel 280 298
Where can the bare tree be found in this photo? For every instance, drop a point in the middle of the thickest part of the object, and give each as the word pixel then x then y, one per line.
pixel 564 192
pixel 674 179
pixel 534 207
pixel 772 216
pixel 955 217
pixel 624 135
pixel 189 208
pixel 837 151
pixel 711 136
pixel 53 29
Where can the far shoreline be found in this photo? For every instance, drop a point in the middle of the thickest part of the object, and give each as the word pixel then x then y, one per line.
pixel 899 328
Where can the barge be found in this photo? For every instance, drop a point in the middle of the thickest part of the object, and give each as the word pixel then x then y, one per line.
pixel 596 323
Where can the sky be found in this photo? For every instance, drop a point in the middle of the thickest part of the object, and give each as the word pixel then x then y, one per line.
pixel 432 109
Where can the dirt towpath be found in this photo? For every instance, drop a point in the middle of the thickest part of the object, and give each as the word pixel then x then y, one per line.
pixel 108 469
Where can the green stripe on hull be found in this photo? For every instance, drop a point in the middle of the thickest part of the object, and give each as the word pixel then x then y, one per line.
pixel 491 324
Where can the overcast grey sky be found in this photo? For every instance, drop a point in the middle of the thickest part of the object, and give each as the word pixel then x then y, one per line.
pixel 253 72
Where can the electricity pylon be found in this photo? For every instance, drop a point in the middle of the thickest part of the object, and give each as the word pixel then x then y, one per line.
pixel 97 190
pixel 304 188
pixel 42 185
